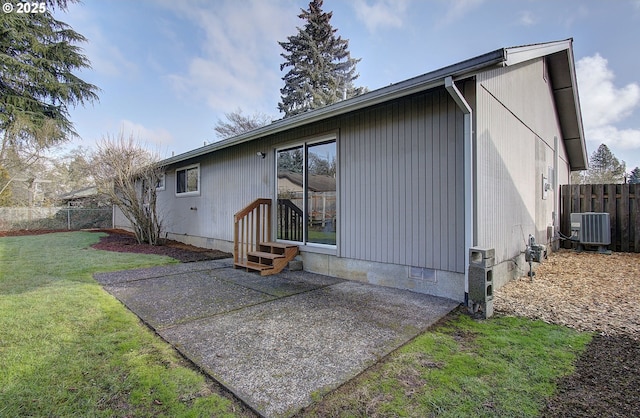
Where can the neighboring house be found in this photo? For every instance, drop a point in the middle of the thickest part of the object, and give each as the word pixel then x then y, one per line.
pixel 471 155
pixel 87 197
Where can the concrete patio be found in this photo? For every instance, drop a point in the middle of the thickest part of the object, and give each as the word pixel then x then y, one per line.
pixel 273 341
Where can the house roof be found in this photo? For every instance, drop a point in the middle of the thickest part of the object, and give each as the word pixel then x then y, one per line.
pixel 317 182
pixel 89 191
pixel 561 69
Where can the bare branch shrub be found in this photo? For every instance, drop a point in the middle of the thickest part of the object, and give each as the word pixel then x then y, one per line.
pixel 129 174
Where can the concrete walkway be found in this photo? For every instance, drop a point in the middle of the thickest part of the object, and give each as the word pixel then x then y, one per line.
pixel 273 341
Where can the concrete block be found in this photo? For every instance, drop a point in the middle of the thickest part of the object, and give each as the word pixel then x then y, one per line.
pixel 483 262
pixel 488 309
pixel 480 283
pixel 479 255
pixel 295 265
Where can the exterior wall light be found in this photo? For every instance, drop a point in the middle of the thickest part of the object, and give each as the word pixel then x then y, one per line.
pixel 261 154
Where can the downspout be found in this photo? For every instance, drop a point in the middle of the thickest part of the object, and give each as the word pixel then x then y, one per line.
pixel 468 176
pixel 556 194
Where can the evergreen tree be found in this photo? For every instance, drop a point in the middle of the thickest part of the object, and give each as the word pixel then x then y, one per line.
pixel 604 167
pixel 321 70
pixel 38 57
pixel 634 176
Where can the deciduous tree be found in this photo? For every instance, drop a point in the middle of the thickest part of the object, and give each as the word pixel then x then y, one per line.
pixel 129 174
pixel 237 123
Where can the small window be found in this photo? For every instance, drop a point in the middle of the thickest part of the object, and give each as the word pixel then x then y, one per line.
pixel 188 180
pixel 160 185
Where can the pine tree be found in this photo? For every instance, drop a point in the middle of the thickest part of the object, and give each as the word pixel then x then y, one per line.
pixel 604 167
pixel 634 176
pixel 38 57
pixel 321 70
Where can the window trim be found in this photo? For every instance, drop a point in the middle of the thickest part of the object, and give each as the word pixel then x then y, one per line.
pixel 186 169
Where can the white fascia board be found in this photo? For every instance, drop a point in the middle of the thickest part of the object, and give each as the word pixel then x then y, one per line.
pixel 524 53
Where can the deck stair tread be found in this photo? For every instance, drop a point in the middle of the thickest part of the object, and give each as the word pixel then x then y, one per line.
pixel 253 266
pixel 268 258
pixel 277 244
pixel 263 254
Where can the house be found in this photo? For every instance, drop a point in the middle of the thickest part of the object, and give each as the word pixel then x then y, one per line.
pixel 470 156
pixel 86 197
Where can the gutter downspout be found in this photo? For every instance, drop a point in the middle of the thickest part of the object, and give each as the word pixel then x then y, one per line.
pixel 468 176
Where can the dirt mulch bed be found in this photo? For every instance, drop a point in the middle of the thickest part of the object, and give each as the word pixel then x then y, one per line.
pixel 606 382
pixel 124 242
pixel 23 232
pixel 588 292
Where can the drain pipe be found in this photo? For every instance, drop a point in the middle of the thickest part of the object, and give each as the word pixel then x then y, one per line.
pixel 468 177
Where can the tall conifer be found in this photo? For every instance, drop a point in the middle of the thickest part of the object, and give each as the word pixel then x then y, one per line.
pixel 321 70
pixel 38 60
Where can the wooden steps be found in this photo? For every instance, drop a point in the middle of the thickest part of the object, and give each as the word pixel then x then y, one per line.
pixel 269 258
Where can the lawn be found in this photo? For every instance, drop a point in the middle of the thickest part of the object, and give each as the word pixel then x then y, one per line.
pixel 505 366
pixel 68 348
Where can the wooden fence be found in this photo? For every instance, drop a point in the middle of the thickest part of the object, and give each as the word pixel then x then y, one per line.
pixel 620 201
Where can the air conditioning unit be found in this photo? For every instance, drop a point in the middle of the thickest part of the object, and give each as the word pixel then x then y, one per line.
pixel 591 228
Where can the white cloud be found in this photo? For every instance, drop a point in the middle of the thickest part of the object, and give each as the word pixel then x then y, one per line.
pixel 239 59
pixel 145 135
pixel 527 18
pixel 457 9
pixel 105 57
pixel 603 104
pixel 381 13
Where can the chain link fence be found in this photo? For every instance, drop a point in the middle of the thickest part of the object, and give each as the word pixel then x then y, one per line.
pixel 31 218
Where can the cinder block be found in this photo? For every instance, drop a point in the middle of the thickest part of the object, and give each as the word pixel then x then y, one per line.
pixel 476 254
pixel 488 309
pixel 480 283
pixel 295 265
pixel 482 262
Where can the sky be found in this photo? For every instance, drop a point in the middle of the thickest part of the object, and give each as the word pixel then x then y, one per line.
pixel 169 70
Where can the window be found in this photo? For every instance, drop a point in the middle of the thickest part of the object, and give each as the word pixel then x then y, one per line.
pixel 188 180
pixel 306 182
pixel 160 185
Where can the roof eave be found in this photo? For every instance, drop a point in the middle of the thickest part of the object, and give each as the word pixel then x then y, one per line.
pixel 413 85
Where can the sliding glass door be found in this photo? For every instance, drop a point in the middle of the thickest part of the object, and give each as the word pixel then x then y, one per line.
pixel 290 182
pixel 306 190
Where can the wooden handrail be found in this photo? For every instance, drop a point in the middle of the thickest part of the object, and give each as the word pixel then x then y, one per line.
pixel 251 226
pixel 250 207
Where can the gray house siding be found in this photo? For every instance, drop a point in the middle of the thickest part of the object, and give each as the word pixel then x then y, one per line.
pixel 516 127
pixel 400 194
pixel 401 184
pixel 401 174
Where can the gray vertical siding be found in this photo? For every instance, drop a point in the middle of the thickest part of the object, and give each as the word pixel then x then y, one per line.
pixel 229 180
pixel 515 128
pixel 401 183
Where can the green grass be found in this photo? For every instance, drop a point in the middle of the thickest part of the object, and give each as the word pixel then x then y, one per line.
pixel 68 348
pixel 504 367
